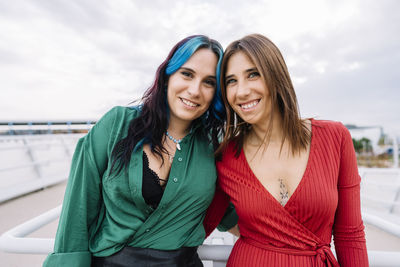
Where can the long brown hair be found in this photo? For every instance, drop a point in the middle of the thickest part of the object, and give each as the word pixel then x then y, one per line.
pixel 272 68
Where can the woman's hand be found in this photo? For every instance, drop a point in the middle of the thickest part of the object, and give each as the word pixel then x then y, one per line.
pixel 235 230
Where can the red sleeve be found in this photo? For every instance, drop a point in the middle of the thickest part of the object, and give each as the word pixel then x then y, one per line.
pixel 216 210
pixel 348 229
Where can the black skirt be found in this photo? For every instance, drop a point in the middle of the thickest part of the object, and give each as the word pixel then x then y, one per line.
pixel 147 257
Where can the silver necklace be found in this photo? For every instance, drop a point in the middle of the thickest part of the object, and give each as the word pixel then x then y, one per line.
pixel 176 141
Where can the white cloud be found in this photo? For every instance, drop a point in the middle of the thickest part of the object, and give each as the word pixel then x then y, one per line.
pixel 350 66
pixel 75 59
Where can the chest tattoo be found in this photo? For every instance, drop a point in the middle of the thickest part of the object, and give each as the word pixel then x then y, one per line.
pixel 283 193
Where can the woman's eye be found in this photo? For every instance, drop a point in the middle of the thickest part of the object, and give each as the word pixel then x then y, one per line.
pixel 254 74
pixel 229 81
pixel 186 74
pixel 211 83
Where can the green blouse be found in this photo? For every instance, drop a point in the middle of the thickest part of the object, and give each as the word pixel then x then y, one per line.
pixel 103 213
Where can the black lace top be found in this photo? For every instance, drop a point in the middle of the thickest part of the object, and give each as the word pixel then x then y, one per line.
pixel 152 190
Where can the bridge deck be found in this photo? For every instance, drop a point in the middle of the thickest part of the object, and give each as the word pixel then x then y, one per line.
pixel 19 210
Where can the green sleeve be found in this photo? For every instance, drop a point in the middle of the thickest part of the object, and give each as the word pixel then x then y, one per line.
pixel 229 220
pixel 82 199
pixel 76 259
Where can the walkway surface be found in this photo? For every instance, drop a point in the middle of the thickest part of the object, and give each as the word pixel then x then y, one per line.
pixel 19 210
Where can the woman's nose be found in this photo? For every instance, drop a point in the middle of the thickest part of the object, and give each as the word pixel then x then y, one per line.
pixel 194 89
pixel 242 89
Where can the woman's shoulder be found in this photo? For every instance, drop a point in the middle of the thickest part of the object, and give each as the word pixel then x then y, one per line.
pixel 119 113
pixel 328 124
pixel 230 150
pixel 331 128
pixel 114 121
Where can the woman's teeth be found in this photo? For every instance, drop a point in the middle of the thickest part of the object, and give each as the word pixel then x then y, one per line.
pixel 189 103
pixel 249 105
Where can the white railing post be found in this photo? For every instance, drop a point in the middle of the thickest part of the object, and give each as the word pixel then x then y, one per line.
pixel 397 195
pixel 32 158
pixel 66 148
pixel 395 152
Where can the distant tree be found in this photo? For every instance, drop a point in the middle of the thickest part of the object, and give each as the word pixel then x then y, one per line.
pixel 382 140
pixel 366 143
pixel 358 146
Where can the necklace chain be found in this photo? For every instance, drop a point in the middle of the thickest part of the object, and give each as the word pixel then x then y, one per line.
pixel 176 141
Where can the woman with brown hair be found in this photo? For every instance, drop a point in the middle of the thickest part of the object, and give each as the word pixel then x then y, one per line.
pixel 293 181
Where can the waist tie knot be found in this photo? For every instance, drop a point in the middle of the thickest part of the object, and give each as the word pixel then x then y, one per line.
pixel 322 252
pixel 325 254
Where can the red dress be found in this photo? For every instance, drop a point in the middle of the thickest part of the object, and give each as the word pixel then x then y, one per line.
pixel 326 202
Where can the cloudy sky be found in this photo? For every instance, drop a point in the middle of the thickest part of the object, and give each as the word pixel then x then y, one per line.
pixel 75 59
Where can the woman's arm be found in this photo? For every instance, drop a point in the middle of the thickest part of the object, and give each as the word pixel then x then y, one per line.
pixel 82 199
pixel 220 213
pixel 348 229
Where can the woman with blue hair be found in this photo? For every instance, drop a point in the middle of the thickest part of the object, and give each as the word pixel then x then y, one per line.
pixel 143 177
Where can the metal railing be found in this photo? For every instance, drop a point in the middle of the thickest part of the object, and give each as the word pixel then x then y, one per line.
pixel 32 162
pixel 380 195
pixel 14 241
pixel 44 127
pixel 380 198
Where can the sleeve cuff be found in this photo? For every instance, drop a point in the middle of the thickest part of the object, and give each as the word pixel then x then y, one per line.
pixel 76 259
pixel 229 220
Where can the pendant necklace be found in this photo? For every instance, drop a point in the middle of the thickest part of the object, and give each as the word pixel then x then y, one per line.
pixel 177 142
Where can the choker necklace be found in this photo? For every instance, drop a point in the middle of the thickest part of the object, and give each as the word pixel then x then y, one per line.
pixel 177 142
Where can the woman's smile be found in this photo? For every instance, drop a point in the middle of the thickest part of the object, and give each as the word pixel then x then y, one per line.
pixel 250 105
pixel 188 103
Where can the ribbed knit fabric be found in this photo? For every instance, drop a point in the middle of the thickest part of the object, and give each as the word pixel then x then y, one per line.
pixel 326 201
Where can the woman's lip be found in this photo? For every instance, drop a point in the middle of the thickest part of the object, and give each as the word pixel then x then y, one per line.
pixel 189 103
pixel 249 105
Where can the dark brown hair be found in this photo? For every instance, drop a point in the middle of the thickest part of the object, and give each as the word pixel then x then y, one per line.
pixel 272 68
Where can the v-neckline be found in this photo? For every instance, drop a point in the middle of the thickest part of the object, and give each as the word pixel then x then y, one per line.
pixel 299 185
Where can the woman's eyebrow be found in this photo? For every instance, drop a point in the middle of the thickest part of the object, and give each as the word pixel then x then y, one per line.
pixel 193 71
pixel 188 69
pixel 229 76
pixel 245 71
pixel 251 70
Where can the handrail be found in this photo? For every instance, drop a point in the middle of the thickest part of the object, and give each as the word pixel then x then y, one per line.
pixel 383 258
pixel 29 186
pixel 29 155
pixel 33 163
pixel 48 123
pixel 47 136
pixel 394 186
pixel 381 223
pixel 382 184
pixel 44 127
pixel 14 241
pixel 381 201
